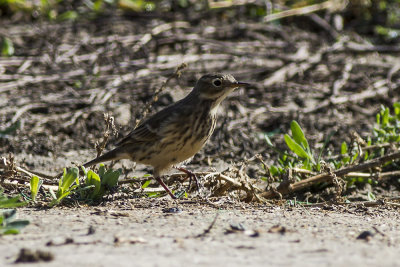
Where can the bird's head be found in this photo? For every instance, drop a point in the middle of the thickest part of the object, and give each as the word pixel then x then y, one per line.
pixel 216 87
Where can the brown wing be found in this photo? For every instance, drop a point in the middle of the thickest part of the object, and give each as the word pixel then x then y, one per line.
pixel 149 130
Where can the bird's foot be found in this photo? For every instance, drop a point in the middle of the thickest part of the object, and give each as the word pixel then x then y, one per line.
pixel 191 176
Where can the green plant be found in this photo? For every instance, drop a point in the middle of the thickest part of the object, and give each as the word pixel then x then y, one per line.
pixel 13 202
pixel 101 182
pixel 385 134
pixel 388 125
pixel 298 144
pixel 301 154
pixel 7 47
pixel 8 224
pixel 94 187
pixel 66 185
pixel 146 184
pixel 35 184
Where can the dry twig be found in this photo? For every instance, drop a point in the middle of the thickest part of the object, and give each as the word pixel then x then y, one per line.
pixel 285 189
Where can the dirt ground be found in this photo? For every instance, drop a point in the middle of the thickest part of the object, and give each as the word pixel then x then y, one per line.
pixel 145 233
pixel 64 76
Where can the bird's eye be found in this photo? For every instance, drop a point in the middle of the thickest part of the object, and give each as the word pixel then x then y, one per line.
pixel 217 82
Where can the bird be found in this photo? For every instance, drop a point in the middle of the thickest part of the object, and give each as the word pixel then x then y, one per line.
pixel 176 133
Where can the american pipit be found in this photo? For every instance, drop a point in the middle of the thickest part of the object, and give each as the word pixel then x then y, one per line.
pixel 178 132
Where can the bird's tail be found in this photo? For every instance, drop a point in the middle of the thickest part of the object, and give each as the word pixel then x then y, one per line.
pixel 114 154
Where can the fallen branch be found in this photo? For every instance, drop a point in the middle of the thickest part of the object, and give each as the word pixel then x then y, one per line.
pixel 377 89
pixel 332 4
pixel 10 164
pixel 285 188
pixel 358 203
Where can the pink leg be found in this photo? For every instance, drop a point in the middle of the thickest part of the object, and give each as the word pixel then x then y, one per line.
pixel 190 175
pixel 165 187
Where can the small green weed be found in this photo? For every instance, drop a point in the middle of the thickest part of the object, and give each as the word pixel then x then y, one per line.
pixel 8 223
pixel 95 185
pixel 36 183
pixel 103 181
pixel 66 185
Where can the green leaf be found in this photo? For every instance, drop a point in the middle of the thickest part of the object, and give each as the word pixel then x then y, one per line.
pixel 11 202
pixel 102 170
pixel 98 6
pixel 7 231
pixel 371 196
pixel 68 15
pixel 52 194
pixel 18 224
pixel 396 107
pixel 298 135
pixel 110 178
pixel 67 180
pixel 35 186
pixel 8 214
pixel 60 198
pixel 295 147
pixel 146 184
pixel 7 48
pixel 268 140
pixel 355 156
pixel 343 148
pixel 274 170
pixel 385 118
pixel 84 170
pixel 8 224
pixel 94 179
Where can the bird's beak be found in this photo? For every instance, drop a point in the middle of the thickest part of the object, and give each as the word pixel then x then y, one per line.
pixel 241 84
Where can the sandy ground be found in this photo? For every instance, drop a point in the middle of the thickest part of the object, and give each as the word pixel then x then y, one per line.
pixel 144 232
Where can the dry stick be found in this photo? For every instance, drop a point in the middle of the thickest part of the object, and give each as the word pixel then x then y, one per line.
pixel 339 84
pixel 364 203
pixel 325 25
pixel 45 182
pixel 4 163
pixel 372 147
pixel 110 126
pixel 361 203
pixel 379 176
pixel 331 4
pixel 285 189
pixel 229 3
pixel 292 69
pixel 156 31
pixel 367 48
pixel 378 88
pixel 206 231
pixel 47 78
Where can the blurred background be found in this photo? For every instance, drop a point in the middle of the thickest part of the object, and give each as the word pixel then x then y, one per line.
pixel 329 65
